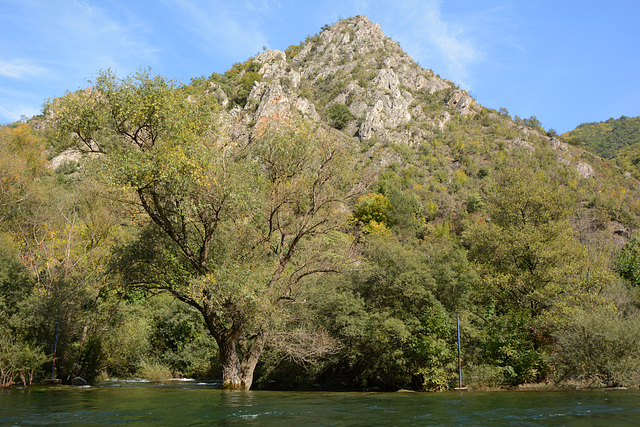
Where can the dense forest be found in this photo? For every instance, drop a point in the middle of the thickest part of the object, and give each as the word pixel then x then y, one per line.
pixel 607 139
pixel 617 139
pixel 317 217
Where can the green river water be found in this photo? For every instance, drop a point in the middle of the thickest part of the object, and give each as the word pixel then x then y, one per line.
pixel 190 403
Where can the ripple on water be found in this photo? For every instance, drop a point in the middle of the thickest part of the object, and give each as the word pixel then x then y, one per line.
pixel 190 402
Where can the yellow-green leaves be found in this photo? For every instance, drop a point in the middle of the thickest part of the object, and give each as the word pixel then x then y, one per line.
pixel 141 110
pixel 526 252
pixel 372 211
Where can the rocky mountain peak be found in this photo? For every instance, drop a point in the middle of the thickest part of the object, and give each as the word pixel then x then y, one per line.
pixel 352 63
pixel 353 78
pixel 349 39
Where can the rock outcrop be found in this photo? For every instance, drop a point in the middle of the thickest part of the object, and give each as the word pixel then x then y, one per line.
pixel 352 63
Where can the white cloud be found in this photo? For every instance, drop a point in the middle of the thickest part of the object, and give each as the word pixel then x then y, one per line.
pixel 14 113
pixel 76 37
pixel 19 69
pixel 221 25
pixel 429 37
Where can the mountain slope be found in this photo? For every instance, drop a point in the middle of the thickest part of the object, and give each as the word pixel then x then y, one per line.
pixel 607 139
pixel 617 139
pixel 352 77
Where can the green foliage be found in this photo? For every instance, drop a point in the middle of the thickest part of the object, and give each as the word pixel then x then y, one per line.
pixel 372 211
pixel 527 254
pixel 533 123
pixel 627 263
pixel 474 203
pixel 339 115
pixel 236 83
pixel 125 346
pixel 21 163
pixel 19 361
pixel 209 249
pixel 599 346
pixel 433 102
pixel 147 338
pixel 55 235
pixel 15 282
pixel 393 329
pixel 179 340
pixel 607 139
pixel 325 89
pixel 406 212
pixel 155 372
pixel 512 343
pixel 292 51
pixel 232 228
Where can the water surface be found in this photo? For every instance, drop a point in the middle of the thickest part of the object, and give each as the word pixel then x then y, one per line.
pixel 188 404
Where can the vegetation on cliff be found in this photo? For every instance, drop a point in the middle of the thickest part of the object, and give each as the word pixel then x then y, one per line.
pixel 320 215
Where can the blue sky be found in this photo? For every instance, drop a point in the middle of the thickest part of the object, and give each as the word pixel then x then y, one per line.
pixel 563 61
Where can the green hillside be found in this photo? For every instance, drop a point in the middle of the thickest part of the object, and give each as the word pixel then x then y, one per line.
pixel 315 216
pixel 607 139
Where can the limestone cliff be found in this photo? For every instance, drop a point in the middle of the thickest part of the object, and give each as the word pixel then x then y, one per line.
pixel 392 100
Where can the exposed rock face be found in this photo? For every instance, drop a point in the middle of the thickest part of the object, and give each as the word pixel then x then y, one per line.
pixel 585 170
pixel 274 65
pixel 276 104
pixel 462 102
pixel 70 155
pixel 383 83
pixel 392 100
pixel 357 49
pixel 401 114
pixel 556 144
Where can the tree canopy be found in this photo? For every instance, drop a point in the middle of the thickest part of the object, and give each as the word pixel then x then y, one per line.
pixel 233 228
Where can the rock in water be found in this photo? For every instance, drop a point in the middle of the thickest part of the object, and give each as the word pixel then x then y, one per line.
pixel 79 381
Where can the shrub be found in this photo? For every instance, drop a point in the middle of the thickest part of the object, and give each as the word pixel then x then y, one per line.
pixel 627 263
pixel 155 372
pixel 601 347
pixel 19 361
pixel 292 51
pixel 372 211
pixel 474 203
pixel 339 115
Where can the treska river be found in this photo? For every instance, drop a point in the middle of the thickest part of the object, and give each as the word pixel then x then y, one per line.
pixel 191 403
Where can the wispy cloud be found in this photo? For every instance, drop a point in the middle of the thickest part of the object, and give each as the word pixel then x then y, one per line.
pixel 16 112
pixel 222 25
pixel 73 37
pixel 113 34
pixel 19 69
pixel 450 41
pixel 430 37
pixel 48 47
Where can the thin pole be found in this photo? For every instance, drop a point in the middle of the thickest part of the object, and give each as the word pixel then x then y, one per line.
pixel 55 347
pixel 459 356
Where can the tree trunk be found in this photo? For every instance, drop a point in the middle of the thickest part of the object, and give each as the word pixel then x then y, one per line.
pixel 231 379
pixel 237 369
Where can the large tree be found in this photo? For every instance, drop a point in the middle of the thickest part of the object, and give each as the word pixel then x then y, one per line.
pixel 525 250
pixel 233 226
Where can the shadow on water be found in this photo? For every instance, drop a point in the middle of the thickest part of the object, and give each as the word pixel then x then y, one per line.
pixel 188 403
